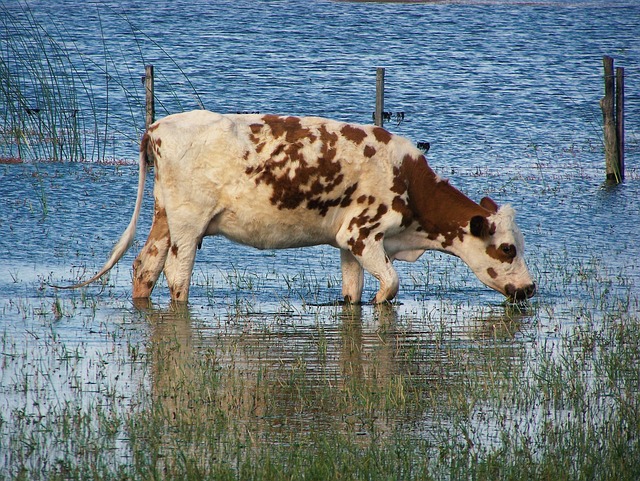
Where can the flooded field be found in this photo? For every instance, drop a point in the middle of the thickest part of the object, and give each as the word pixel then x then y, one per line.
pixel 265 374
pixel 266 366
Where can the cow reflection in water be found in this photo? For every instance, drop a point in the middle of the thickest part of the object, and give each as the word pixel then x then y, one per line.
pixel 274 380
pixel 284 380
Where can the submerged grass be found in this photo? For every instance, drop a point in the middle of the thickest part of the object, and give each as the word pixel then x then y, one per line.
pixel 60 101
pixel 297 388
pixel 359 393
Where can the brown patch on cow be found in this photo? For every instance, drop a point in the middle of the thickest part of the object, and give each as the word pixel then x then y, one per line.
pixel 368 199
pixel 382 135
pixel 382 210
pixel 365 219
pixel 492 273
pixel 354 134
pixel 347 198
pixel 279 149
pixel 159 227
pixel 369 151
pixel 174 249
pixel 323 206
pixel 400 206
pixel 293 178
pixel 328 141
pixel 356 246
pixel 145 148
pixel 399 185
pixel 503 253
pixel 256 129
pixel 289 127
pixel 150 146
pixel 440 208
pixel 489 204
pixel 365 224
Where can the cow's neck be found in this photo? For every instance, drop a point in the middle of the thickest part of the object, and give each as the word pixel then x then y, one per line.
pixel 440 209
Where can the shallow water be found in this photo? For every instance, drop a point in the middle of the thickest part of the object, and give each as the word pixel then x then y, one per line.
pixel 275 310
pixel 495 84
pixel 507 95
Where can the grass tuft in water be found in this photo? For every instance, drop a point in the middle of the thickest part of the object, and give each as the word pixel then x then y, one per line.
pixel 60 103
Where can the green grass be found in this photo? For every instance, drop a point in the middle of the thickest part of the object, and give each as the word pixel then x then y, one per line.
pixel 59 103
pixel 364 393
pixel 239 387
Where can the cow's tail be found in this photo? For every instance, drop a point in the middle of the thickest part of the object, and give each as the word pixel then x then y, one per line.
pixel 127 237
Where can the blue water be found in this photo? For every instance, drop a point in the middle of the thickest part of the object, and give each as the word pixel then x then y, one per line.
pixel 506 92
pixel 488 83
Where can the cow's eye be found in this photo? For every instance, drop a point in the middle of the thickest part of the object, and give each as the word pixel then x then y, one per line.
pixel 508 250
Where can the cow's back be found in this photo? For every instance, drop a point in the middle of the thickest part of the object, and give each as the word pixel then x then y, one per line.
pixel 272 181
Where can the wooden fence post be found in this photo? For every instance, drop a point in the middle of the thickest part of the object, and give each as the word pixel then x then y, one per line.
pixel 148 85
pixel 379 97
pixel 620 118
pixel 607 104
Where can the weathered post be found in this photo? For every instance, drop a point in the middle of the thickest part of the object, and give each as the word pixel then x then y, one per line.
pixel 607 104
pixel 379 97
pixel 148 85
pixel 620 118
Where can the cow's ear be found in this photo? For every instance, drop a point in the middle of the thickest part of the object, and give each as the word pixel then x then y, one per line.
pixel 489 204
pixel 479 226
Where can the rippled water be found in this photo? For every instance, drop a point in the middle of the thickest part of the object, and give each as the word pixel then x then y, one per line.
pixel 487 83
pixel 506 92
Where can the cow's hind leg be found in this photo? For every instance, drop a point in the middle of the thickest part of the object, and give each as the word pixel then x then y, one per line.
pixel 149 263
pixel 352 277
pixel 178 269
pixel 180 259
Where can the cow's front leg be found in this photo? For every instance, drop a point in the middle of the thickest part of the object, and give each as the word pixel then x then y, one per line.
pixel 375 260
pixel 149 263
pixel 352 277
pixel 370 253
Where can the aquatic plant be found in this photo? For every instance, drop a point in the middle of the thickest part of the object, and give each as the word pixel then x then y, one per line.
pixel 60 103
pixel 438 389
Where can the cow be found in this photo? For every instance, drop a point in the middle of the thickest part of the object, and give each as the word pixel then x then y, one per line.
pixel 275 182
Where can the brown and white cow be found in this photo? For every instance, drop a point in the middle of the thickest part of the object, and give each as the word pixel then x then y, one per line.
pixel 277 182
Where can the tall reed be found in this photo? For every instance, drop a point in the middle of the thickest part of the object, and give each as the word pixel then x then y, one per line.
pixel 61 101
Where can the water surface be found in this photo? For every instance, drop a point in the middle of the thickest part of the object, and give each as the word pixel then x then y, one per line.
pixel 506 92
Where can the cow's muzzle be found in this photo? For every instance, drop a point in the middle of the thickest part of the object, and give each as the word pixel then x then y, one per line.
pixel 520 294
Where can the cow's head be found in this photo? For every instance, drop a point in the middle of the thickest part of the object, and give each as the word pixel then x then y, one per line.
pixel 494 249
